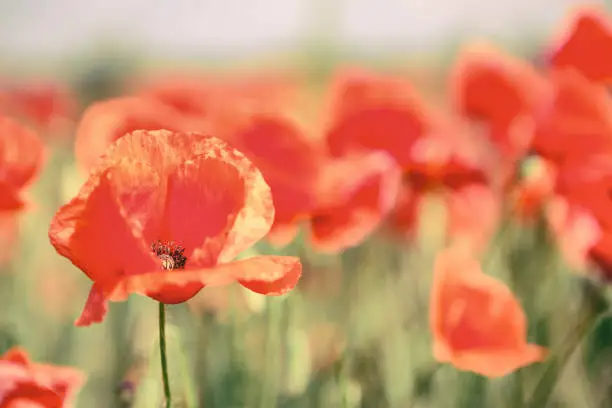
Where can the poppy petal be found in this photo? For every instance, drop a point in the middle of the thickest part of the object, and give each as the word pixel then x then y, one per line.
pixel 283 154
pixel 21 154
pixel 575 230
pixel 106 121
pixel 356 193
pixel 488 84
pixel 585 43
pixel 282 234
pixel 204 198
pixel 475 318
pixel 95 308
pixel 272 275
pixel 17 355
pixel 474 213
pixel 496 364
pixel 195 163
pixel 93 231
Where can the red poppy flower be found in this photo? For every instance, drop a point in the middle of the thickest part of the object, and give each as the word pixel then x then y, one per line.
pixel 449 162
pixel 585 43
pixel 25 382
pixel 375 112
pixel 163 215
pixel 355 193
pixel 46 105
pixel 21 157
pixel 575 123
pixel 491 86
pixel 477 323
pixel 106 121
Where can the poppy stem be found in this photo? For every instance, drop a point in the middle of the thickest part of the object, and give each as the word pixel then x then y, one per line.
pixel 162 352
pixel 546 385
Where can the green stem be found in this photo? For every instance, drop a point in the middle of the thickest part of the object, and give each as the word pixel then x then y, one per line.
pixel 162 352
pixel 546 385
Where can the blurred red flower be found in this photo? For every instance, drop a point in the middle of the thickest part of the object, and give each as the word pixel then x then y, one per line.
pixel 575 122
pixel 354 195
pixel 375 112
pixel 23 382
pixel 477 323
pixel 21 157
pixel 497 89
pixel 106 121
pixel 49 106
pixel 585 43
pixel 450 162
pixel 163 216
pixel 288 160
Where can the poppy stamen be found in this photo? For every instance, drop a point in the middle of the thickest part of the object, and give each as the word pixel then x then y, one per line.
pixel 170 254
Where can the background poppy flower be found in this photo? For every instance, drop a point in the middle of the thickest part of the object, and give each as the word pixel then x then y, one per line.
pixel 496 88
pixel 49 386
pixel 476 322
pixel 106 121
pixel 374 112
pixel 288 160
pixel 585 43
pixel 355 193
pixel 163 216
pixel 575 122
pixel 48 106
pixel 21 157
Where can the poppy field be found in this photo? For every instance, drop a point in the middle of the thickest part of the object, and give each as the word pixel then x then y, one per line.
pixel 332 234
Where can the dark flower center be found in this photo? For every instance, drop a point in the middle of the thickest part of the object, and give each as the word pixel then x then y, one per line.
pixel 170 254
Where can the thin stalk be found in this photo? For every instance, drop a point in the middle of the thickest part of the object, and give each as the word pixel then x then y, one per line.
pixel 162 353
pixel 546 385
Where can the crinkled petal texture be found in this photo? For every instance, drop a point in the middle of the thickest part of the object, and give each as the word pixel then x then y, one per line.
pixel 477 323
pixel 21 157
pixel 375 112
pixel 189 189
pixel 586 44
pixel 23 382
pixel 355 194
pixel 106 121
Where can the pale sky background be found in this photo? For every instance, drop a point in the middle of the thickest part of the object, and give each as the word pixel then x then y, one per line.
pixel 36 28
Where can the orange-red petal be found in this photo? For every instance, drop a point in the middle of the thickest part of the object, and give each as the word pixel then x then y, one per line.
pixel 106 121
pixel 375 112
pixel 477 323
pixel 586 44
pixel 21 154
pixel 270 275
pixel 355 194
